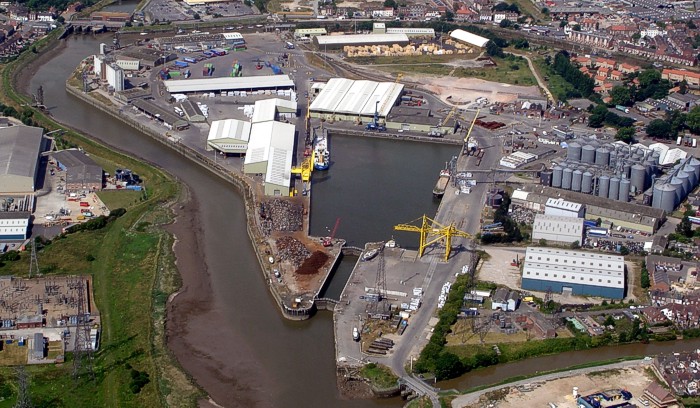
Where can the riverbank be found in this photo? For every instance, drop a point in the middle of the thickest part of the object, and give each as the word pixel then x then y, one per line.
pixel 125 286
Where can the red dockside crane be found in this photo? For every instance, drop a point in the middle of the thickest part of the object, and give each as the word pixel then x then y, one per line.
pixel 328 241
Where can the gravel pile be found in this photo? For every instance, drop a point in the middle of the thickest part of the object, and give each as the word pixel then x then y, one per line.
pixel 281 215
pixel 291 249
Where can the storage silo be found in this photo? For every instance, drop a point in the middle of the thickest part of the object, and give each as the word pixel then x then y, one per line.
pixel 695 165
pixel 668 197
pixel 677 185
pixel 691 175
pixel 624 190
pixel 614 190
pixel 576 180
pixel 626 169
pixel 587 182
pixel 638 177
pixel 588 154
pixel 602 156
pixel 556 176
pixel 573 152
pixel 603 186
pixel 567 175
pixel 685 178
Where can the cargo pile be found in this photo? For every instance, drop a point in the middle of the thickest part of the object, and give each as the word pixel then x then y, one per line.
pixel 489 125
pixel 280 215
pixel 396 50
pixel 292 250
pixel 313 263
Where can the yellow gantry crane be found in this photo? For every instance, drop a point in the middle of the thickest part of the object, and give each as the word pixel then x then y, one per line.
pixel 469 132
pixel 306 168
pixel 431 232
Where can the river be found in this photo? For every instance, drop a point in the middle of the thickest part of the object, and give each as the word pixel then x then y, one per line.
pixel 372 185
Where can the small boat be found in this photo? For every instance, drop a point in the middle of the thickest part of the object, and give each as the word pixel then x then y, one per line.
pixel 271 259
pixel 355 334
pixel 322 156
pixel 369 255
pixel 390 243
pixel 441 184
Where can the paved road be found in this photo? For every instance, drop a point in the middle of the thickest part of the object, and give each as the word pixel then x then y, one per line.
pixel 469 400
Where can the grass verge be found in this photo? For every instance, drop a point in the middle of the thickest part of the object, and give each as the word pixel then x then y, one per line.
pixel 379 376
pixel 133 272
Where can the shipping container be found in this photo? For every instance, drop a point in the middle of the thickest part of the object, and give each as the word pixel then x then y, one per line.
pixel 190 60
pixel 80 217
pixel 135 188
pixel 679 140
pixel 181 64
pixel 84 204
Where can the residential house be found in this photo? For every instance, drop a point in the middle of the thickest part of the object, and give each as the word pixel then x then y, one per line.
pixel 386 12
pixel 659 396
pixel 18 12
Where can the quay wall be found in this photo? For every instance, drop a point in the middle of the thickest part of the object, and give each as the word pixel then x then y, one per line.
pixel 237 180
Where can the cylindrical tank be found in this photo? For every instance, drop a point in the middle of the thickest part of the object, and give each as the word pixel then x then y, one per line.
pixel 624 194
pixel 495 200
pixel 587 182
pixel 685 178
pixel 567 175
pixel 576 180
pixel 677 185
pixel 602 156
pixel 573 152
pixel 546 178
pixel 556 176
pixel 626 170
pixel 664 197
pixel 638 177
pixel 603 186
pixel 614 190
pixel 695 164
pixel 691 175
pixel 588 154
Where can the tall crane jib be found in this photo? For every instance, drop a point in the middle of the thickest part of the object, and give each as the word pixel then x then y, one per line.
pixel 432 232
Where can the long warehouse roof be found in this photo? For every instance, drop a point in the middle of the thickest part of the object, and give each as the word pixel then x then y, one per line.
pixel 362 39
pixel 272 142
pixel 228 83
pixel 229 129
pixel 19 150
pixel 469 38
pixel 346 96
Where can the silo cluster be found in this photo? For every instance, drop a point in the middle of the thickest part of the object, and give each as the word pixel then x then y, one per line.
pixel 668 192
pixel 607 170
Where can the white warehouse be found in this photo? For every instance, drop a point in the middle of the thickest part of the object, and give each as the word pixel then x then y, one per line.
pixel 346 99
pixel 576 272
pixel 559 206
pixel 557 229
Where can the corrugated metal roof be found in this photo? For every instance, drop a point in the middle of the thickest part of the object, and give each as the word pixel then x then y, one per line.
pixel 229 129
pixel 469 38
pixel 362 39
pixel 331 95
pixel 233 36
pixel 356 97
pixel 228 83
pixel 19 150
pixel 386 93
pixel 272 142
pixel 266 109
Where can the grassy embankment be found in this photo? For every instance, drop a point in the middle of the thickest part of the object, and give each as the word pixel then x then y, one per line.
pixel 133 272
pixel 515 72
pixel 556 84
pixel 379 376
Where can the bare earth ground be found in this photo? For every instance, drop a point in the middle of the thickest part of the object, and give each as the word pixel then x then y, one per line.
pixel 560 392
pixel 468 89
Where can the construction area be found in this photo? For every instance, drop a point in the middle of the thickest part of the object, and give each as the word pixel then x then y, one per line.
pixel 621 386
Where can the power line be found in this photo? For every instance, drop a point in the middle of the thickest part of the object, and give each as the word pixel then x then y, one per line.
pixel 82 350
pixel 23 398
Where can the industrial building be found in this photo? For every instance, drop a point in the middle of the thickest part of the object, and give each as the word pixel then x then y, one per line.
pixel 192 111
pixel 505 299
pixel 627 215
pixel 413 119
pixel 82 173
pixel 334 42
pixel 270 152
pixel 20 147
pixel 617 171
pixel 262 82
pixel 346 99
pixel 14 225
pixel 308 33
pixel 562 208
pixel 115 77
pixel 468 38
pixel 148 58
pixel 411 32
pixel 229 136
pixel 557 229
pixel 575 272
pixel 169 119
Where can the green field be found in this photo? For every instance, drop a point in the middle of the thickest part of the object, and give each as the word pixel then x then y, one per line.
pixel 556 84
pixel 133 272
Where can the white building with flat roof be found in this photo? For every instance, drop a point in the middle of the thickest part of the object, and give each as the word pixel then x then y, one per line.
pixel 559 206
pixel 339 41
pixel 575 272
pixel 269 152
pixel 272 82
pixel 557 229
